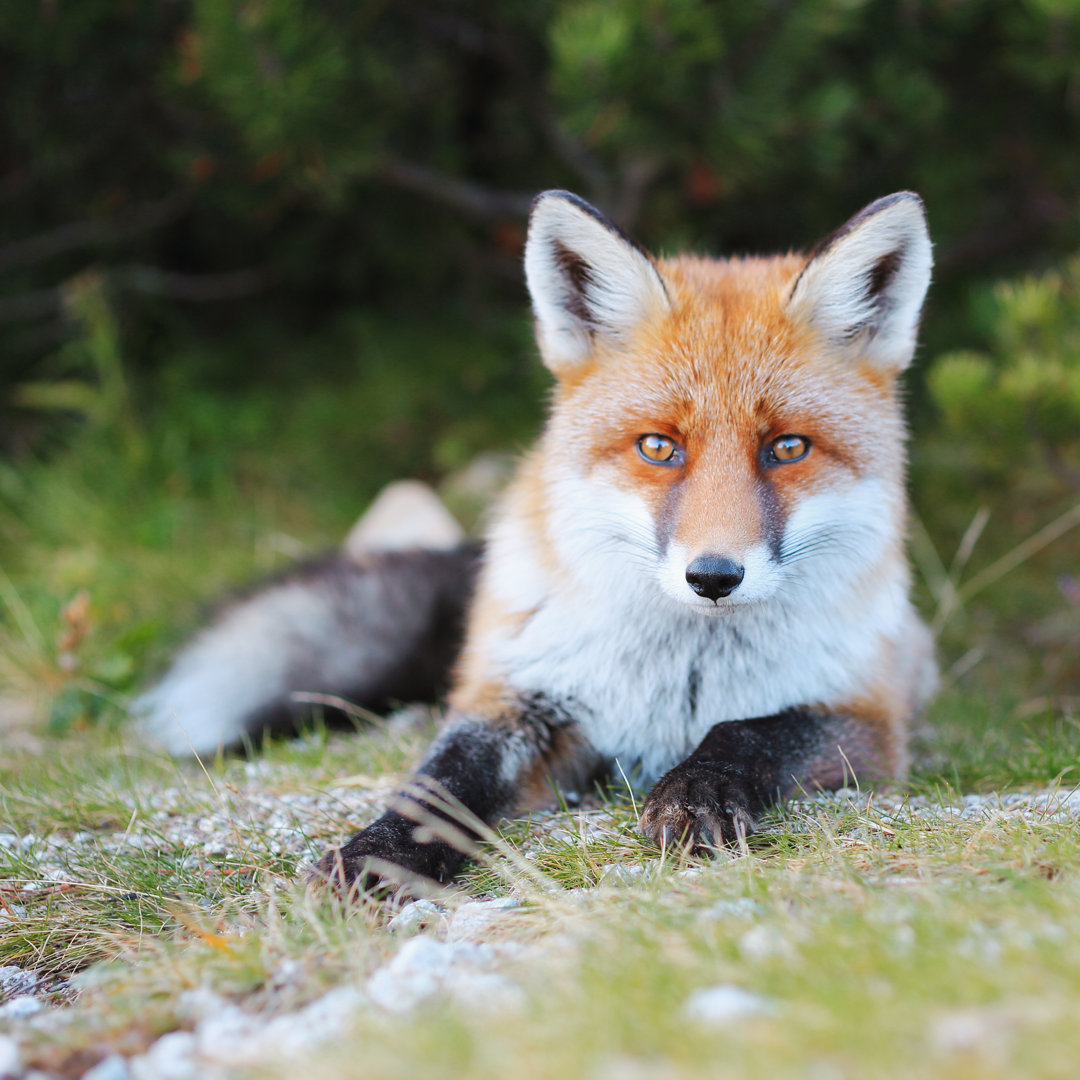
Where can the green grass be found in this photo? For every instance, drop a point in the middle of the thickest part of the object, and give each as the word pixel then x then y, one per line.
pixel 887 935
pixel 890 935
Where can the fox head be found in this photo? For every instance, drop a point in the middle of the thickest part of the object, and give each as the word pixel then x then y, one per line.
pixel 726 430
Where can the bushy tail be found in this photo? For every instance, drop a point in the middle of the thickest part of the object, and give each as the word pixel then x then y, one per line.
pixel 369 626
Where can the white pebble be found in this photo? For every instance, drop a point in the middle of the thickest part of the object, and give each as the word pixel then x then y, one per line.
pixel 723 910
pixel 114 1067
pixel 325 1019
pixel 761 942
pixel 229 1036
pixel 172 1057
pixel 16 980
pixel 619 874
pixel 478 919
pixel 421 968
pixel 9 1058
pixel 414 917
pixel 19 1008
pixel 718 1004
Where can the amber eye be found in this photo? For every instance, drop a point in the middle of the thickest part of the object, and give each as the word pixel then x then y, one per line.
pixel 788 448
pixel 658 449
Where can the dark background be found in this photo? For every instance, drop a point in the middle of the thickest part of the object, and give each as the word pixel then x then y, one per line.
pixel 258 258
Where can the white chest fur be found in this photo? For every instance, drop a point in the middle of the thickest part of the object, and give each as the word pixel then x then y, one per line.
pixel 647 685
pixel 647 676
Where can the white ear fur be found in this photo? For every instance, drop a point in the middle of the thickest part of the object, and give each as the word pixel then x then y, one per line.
pixel 588 281
pixel 864 286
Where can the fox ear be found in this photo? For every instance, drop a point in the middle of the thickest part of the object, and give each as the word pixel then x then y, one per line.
pixel 863 287
pixel 591 285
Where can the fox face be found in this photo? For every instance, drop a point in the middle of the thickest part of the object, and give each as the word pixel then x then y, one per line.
pixel 726 432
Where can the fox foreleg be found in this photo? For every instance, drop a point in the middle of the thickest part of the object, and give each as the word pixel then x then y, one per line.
pixel 717 795
pixel 479 769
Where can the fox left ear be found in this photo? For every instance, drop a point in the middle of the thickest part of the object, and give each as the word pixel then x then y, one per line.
pixel 591 285
pixel 863 287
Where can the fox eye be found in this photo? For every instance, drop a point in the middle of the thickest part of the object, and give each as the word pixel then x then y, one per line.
pixel 786 449
pixel 658 449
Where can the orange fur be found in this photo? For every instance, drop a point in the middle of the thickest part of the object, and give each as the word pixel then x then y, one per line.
pixel 724 374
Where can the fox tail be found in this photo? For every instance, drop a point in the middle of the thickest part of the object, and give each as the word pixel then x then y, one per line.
pixel 377 623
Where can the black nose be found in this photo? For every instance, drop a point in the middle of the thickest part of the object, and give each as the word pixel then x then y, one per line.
pixel 713 576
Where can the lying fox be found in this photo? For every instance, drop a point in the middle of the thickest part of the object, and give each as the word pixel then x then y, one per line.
pixel 698 573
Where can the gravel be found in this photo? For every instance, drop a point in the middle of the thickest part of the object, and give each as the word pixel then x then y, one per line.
pixel 19 1008
pixel 10 1062
pixel 721 1004
pixel 480 919
pixel 456 955
pixel 114 1067
pixel 16 981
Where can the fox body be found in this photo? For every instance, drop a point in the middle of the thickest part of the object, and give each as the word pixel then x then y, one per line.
pixel 698 572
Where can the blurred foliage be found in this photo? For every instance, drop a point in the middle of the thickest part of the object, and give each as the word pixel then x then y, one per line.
pixel 105 545
pixel 258 257
pixel 250 171
pixel 1021 398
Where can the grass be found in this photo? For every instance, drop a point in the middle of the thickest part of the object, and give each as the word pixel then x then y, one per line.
pixel 885 934
pixel 892 933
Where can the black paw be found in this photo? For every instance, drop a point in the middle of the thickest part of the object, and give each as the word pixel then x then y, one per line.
pixel 387 858
pixel 699 807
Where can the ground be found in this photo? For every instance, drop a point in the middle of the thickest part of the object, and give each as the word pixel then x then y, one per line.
pixel 156 923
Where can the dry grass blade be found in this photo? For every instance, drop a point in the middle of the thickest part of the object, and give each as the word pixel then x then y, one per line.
pixel 949 599
pixel 1020 554
pixel 425 801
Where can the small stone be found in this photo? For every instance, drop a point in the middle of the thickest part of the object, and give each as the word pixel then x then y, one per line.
pixel 16 980
pixel 741 908
pixel 114 1067
pixel 200 1003
pixel 420 968
pixel 399 994
pixel 970 1030
pixel 761 942
pixel 21 1007
pixel 719 1004
pixel 618 874
pixel 485 991
pixel 417 916
pixel 228 1036
pixel 324 1019
pixel 172 1057
pixel 10 1064
pixel 478 919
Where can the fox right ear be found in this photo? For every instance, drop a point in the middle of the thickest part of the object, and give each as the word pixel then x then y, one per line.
pixel 863 287
pixel 590 284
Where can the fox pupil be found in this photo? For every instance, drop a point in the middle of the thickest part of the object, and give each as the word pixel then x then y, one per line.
pixel 658 449
pixel 790 448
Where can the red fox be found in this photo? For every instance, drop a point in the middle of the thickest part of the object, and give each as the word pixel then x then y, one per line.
pixel 698 572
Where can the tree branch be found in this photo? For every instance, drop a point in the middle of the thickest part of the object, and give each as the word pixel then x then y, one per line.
pixel 79 234
pixel 476 200
pixel 149 281
pixel 30 305
pixel 192 288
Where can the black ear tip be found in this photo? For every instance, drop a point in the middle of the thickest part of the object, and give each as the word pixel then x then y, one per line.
pixel 558 195
pixel 553 195
pixel 910 198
